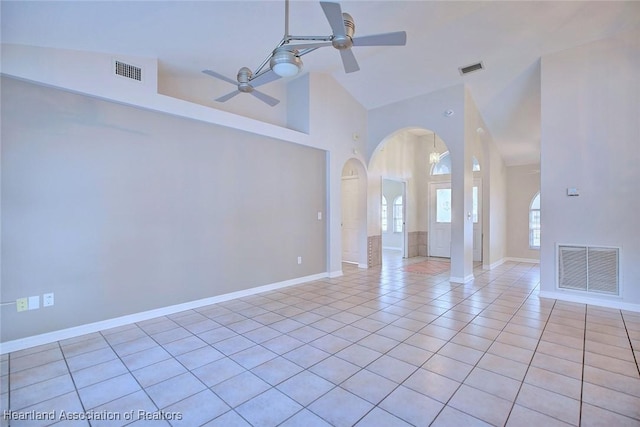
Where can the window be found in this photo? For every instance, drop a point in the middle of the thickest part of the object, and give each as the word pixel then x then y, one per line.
pixel 476 165
pixel 475 205
pixel 534 223
pixel 443 205
pixel 397 215
pixel 443 167
pixel 384 214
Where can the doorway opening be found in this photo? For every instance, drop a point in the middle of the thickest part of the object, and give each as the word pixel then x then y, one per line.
pixel 393 220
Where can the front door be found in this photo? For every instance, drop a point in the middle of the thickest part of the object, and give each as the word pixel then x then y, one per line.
pixel 440 222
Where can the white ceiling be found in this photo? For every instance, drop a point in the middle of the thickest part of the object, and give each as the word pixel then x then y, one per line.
pixel 509 37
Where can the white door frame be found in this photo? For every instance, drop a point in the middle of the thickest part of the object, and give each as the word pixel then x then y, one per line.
pixel 477 227
pixel 405 240
pixel 347 257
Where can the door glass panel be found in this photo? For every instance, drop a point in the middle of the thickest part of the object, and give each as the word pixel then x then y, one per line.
pixel 443 205
pixel 475 205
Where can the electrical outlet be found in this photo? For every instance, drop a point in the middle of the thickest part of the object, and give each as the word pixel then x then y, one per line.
pixel 47 300
pixel 299 260
pixel 22 304
pixel 34 302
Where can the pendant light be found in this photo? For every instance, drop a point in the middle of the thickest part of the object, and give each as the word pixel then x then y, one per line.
pixel 434 156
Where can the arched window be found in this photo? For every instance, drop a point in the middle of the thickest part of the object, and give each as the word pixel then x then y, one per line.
pixel 476 165
pixel 397 215
pixel 384 215
pixel 443 167
pixel 534 223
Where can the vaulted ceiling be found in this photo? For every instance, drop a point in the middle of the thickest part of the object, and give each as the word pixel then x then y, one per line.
pixel 509 38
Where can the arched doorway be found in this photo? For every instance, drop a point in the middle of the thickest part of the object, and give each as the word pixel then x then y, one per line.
pixel 399 174
pixel 354 213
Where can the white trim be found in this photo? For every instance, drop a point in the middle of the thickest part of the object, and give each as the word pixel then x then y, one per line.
pixel 333 274
pixel 495 264
pixel 49 337
pixel 466 279
pixel 360 265
pixel 529 260
pixel 565 296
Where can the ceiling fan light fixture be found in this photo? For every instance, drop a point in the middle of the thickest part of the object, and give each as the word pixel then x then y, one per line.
pixel 285 62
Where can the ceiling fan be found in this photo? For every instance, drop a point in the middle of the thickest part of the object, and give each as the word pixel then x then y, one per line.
pixel 284 60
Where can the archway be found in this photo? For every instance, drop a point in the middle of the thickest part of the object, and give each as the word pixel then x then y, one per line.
pixel 400 170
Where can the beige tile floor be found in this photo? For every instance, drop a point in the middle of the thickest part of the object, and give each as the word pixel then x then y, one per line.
pixel 376 347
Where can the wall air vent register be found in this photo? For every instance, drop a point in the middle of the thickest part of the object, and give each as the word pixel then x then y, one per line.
pixel 589 269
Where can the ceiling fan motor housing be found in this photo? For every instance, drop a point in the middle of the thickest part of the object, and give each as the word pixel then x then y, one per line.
pixel 244 75
pixel 343 41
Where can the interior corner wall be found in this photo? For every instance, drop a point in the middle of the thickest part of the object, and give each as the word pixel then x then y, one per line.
pixel 590 135
pixel 119 210
pixel 298 104
pixel 523 183
pixel 336 121
pixel 497 209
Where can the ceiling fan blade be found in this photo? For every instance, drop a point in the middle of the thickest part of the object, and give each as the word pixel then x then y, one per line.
pixel 220 76
pixel 228 96
pixel 265 98
pixel 264 78
pixel 398 38
pixel 349 61
pixel 312 45
pixel 333 12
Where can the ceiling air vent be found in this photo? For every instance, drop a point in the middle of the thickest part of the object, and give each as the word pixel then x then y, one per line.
pixel 471 68
pixel 129 71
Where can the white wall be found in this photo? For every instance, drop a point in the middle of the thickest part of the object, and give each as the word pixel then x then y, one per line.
pixel 590 140
pixel 495 211
pixel 343 132
pixel 523 183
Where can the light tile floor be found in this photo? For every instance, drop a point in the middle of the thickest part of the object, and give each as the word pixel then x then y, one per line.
pixel 376 347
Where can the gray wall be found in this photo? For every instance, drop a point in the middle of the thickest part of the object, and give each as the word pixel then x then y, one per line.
pixel 523 183
pixel 119 210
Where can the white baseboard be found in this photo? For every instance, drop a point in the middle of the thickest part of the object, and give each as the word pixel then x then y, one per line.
pixel 512 259
pixel 333 274
pixel 581 299
pixel 363 265
pixel 76 331
pixel 495 264
pixel 529 260
pixel 465 279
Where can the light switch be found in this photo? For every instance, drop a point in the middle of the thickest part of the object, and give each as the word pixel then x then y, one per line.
pixel 34 302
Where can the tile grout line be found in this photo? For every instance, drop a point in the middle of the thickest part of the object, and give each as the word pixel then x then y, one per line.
pixel 476 364
pixel 73 381
pixel 633 353
pixel 378 358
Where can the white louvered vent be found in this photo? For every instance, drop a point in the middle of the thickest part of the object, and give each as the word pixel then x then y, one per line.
pixel 127 70
pixel 589 269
